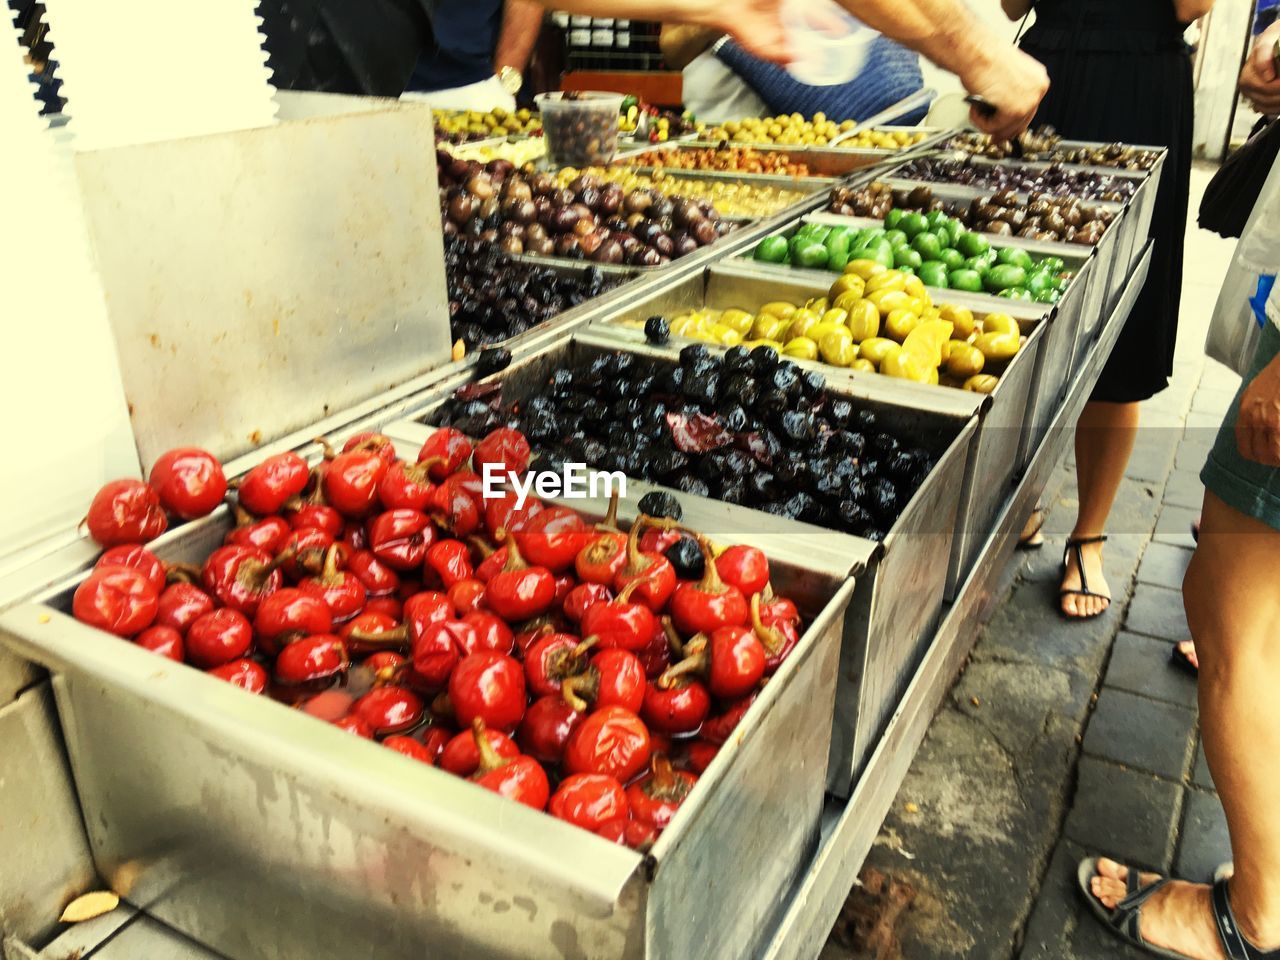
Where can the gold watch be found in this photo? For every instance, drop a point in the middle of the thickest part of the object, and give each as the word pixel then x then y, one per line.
pixel 511 79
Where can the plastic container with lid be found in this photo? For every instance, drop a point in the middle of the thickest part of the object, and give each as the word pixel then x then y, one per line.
pixel 828 44
pixel 581 128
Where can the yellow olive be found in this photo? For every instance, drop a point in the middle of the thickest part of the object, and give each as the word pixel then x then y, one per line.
pixel 689 325
pixel 846 300
pixel 836 315
pixel 889 280
pixel 802 348
pixel 766 343
pixel 982 383
pixel 998 347
pixel 837 348
pixel 876 349
pixel 961 319
pixel 739 320
pixel 965 361
pixel 818 305
pixel 768 327
pixel 887 301
pixel 900 323
pixel 863 365
pixel 864 321
pixel 866 269
pixel 779 308
pixel 847 283
pixel 801 323
pixel 725 335
pixel 914 286
pixel 1000 323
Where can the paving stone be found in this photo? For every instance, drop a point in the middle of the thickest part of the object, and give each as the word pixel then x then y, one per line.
pixel 1057 909
pixel 1153 455
pixel 1123 813
pixel 1204 843
pixel 1200 775
pixel 1218 376
pixel 1184 489
pixel 1141 665
pixel 1027 628
pixel 1193 452
pixel 1014 701
pixel 1174 526
pixel 1157 612
pixel 1164 565
pixel 1144 734
pixel 1204 424
pixel 1209 400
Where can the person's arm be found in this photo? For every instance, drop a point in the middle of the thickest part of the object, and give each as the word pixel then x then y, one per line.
pixel 948 33
pixel 1015 9
pixel 521 23
pixel 945 31
pixel 680 43
pixel 1259 80
pixel 1189 10
pixel 1258 425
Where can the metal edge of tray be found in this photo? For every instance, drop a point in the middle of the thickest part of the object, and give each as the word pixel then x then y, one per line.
pixel 851 826
pixel 1107 247
pixel 822 595
pixel 806 184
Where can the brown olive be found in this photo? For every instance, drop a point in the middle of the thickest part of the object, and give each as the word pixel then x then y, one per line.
pixel 567 245
pixel 684 244
pixel 704 231
pixel 564 220
pixel 610 251
pixel 610 199
pixel 637 201
pixel 516 189
pixel 462 208
pixel 584 226
pixel 663 244
pixel 542 246
pixel 488 207
pixel 590 241
pixel 480 186
pixel 998 227
pixel 920 197
pixel 511 245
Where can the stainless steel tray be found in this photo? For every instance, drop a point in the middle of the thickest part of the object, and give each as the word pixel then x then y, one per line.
pixel 1108 274
pixel 1011 409
pixel 900 597
pixel 262 832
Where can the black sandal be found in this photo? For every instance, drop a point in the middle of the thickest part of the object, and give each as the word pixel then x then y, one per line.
pixel 1123 920
pixel 1083 590
pixel 1029 542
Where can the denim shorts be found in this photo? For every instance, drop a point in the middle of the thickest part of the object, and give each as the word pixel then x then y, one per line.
pixel 1245 486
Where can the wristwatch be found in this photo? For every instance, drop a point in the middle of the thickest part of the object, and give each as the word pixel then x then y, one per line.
pixel 511 79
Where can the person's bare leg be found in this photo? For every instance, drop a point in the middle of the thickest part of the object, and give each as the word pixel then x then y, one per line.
pixel 1105 435
pixel 1232 594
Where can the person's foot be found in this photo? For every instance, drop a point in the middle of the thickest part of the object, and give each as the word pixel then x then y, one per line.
pixel 1032 535
pixel 1177 918
pixel 1082 606
pixel 1187 648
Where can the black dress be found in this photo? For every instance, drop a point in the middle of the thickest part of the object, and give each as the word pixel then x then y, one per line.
pixel 1120 71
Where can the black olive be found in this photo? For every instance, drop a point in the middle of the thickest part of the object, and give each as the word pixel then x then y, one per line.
pixel 733 490
pixel 884 501
pixel 884 444
pixel 668 463
pixel 900 465
pixel 741 387
pixel 840 411
pixel 561 380
pixel 686 557
pixel 737 359
pixel 770 402
pixel 784 378
pixel 761 485
pixel 795 426
pixel 735 418
pixel 688 483
pixel 854 517
pixel 703 387
pixel 659 503
pixel 863 420
pixel 847 443
pixel 593 451
pixel 764 360
pixel 694 354
pixel 657 330
pixel 813 383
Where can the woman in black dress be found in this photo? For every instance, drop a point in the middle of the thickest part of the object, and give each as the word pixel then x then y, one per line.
pixel 1120 71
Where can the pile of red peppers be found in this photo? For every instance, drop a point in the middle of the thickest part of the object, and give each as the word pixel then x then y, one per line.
pixel 561 664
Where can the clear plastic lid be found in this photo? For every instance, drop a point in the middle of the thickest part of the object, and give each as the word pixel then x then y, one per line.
pixel 829 45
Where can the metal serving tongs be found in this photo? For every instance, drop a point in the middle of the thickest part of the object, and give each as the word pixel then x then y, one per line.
pixel 918 99
pixel 989 109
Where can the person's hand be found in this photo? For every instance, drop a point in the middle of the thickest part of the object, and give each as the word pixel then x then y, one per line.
pixel 1258 426
pixel 755 24
pixel 1258 80
pixel 1010 80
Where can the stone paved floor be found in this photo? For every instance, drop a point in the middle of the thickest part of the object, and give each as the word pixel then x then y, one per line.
pixel 1062 739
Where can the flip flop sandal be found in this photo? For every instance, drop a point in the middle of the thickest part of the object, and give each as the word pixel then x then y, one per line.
pixel 1028 543
pixel 1179 658
pixel 1083 591
pixel 1123 919
pixel 1225 871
